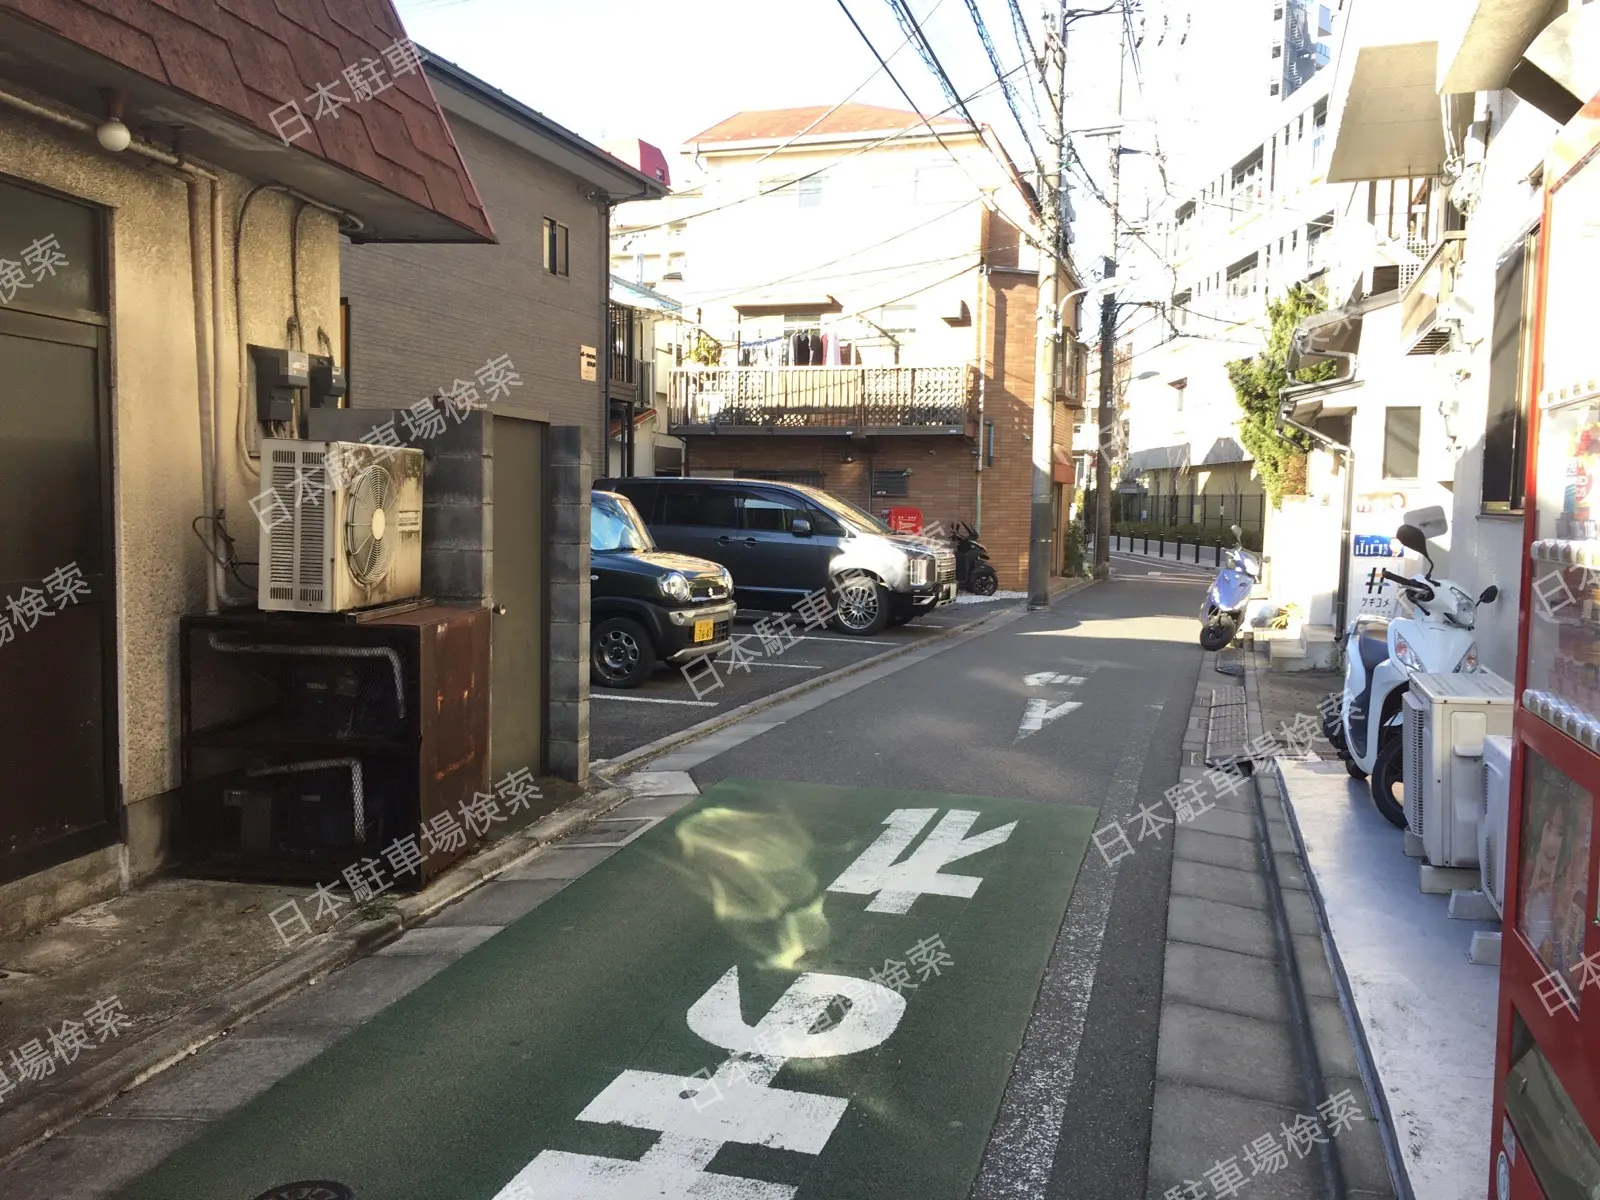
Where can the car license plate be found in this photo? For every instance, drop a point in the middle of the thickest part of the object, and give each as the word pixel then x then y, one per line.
pixel 703 630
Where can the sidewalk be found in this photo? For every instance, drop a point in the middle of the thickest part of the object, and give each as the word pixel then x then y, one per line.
pixel 178 962
pixel 1257 1077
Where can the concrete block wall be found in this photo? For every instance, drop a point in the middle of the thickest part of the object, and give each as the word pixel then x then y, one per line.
pixel 457 495
pixel 570 473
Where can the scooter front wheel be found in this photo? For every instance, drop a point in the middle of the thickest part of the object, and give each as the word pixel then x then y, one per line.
pixel 984 581
pixel 1216 633
pixel 1388 781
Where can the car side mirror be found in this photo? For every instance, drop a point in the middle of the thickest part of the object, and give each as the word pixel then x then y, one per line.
pixel 800 527
pixel 1490 595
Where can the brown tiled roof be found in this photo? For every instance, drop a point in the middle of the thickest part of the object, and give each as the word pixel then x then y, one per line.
pixel 777 124
pixel 250 57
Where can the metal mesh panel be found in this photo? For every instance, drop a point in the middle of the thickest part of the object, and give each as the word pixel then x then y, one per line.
pixel 1415 734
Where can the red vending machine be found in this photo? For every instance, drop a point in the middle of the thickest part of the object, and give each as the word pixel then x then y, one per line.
pixel 1547 1070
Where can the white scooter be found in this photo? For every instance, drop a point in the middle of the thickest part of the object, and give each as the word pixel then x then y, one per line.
pixel 1225 602
pixel 1435 636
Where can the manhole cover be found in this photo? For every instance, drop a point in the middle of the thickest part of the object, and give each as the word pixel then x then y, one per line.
pixel 309 1189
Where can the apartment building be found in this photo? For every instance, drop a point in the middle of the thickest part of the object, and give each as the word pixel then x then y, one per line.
pixel 859 313
pixel 1441 95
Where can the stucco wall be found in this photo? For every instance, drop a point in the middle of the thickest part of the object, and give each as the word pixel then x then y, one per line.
pixel 1491 542
pixel 155 433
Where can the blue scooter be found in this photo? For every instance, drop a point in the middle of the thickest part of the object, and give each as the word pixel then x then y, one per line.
pixel 1223 612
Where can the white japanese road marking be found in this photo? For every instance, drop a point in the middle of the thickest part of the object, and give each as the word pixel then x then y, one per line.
pixel 652 700
pixel 896 886
pixel 853 641
pixel 1040 711
pixel 689 1111
pixel 759 663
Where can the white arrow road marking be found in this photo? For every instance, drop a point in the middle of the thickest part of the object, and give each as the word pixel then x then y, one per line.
pixel 895 887
pixel 691 1112
pixel 1039 713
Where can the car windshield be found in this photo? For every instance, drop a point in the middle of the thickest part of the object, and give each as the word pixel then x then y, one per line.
pixel 843 509
pixel 615 524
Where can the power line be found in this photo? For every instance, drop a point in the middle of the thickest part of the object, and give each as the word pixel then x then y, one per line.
pixel 856 253
pixel 921 122
pixel 1005 83
pixel 1025 46
pixel 913 29
pixel 1005 168
pixel 876 72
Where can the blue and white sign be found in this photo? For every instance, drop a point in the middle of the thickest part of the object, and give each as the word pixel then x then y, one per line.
pixel 1377 545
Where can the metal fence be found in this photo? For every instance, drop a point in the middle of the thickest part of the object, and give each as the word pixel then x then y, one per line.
pixel 801 398
pixel 1215 511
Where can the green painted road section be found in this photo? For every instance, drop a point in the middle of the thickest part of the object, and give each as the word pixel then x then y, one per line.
pixel 453 1091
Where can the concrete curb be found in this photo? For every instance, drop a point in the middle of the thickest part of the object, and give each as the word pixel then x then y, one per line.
pixel 615 767
pixel 25 1127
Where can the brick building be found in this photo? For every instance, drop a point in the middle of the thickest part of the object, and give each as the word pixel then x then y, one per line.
pixel 896 372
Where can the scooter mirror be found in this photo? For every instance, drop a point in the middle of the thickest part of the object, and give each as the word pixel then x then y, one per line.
pixel 1237 532
pixel 1490 595
pixel 1411 538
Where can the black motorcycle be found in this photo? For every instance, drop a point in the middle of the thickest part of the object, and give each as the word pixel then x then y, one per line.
pixel 973 572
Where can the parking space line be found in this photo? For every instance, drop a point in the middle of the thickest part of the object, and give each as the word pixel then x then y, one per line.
pixel 811 637
pixel 785 666
pixel 652 700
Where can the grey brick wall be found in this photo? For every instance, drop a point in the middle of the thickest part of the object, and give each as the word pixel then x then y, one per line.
pixel 423 316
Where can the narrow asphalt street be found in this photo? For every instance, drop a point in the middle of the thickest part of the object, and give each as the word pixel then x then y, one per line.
pixel 984 1025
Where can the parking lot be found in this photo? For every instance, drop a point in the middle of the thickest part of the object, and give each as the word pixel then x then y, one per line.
pixel 620 721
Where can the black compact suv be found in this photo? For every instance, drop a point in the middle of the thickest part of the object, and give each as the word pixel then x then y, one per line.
pixel 783 541
pixel 647 606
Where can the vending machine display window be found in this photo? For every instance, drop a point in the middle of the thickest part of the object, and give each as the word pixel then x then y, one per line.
pixel 1553 910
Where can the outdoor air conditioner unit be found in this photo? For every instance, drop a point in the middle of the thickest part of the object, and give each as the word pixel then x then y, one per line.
pixel 1447 718
pixel 341 525
pixel 1492 824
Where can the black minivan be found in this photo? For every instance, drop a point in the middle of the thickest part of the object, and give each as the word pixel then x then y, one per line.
pixel 783 541
pixel 647 606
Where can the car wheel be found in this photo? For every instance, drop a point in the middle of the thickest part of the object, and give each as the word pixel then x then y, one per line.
pixel 621 654
pixel 1388 780
pixel 860 605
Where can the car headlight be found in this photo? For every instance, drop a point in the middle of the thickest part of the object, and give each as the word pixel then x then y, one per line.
pixel 921 571
pixel 1469 661
pixel 1405 655
pixel 674 586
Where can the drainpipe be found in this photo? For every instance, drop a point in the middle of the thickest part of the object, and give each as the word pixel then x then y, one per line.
pixel 1286 396
pixel 205 366
pixel 983 374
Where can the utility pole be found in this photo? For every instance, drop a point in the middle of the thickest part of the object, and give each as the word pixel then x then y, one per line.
pixel 1108 348
pixel 1049 328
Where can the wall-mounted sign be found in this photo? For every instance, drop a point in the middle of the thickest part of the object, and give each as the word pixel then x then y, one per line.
pixel 588 363
pixel 1376 545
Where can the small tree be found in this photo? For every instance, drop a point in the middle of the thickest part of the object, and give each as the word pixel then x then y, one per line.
pixel 1280 456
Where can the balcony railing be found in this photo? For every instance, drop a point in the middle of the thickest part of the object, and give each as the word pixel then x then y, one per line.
pixel 822 399
pixel 1426 302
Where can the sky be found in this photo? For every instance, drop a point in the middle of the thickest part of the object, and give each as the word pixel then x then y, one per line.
pixel 619 69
